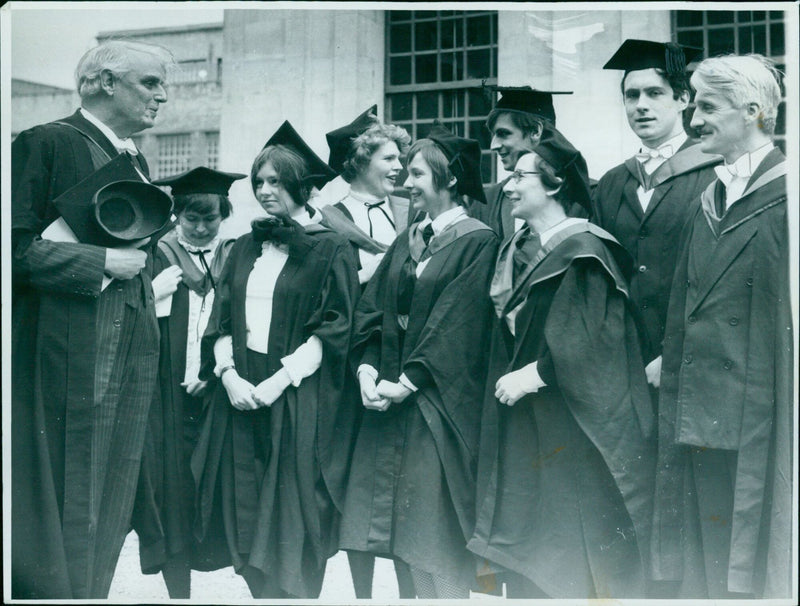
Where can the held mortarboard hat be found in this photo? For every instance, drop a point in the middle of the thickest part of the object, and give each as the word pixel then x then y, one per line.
pixel 340 140
pixel 526 100
pixel 645 54
pixel 568 163
pixel 200 180
pixel 113 206
pixel 319 172
pixel 464 158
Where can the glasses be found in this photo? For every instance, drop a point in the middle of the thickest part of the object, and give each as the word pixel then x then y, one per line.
pixel 518 174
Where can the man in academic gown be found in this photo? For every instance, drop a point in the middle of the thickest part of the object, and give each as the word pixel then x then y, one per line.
pixel 84 357
pixel 645 201
pixel 723 506
pixel 516 124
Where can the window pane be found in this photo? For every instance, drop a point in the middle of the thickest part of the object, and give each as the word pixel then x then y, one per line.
pixel 720 17
pixel 400 70
pixel 478 104
pixel 689 18
pixel 460 65
pixel 760 39
pixel 478 63
pixel 452 104
pixel 399 15
pixel 212 150
pixel 423 128
pixel 691 38
pixel 743 16
pixel 426 68
pixel 428 105
pixel 478 130
pixel 777 46
pixel 425 35
pixel 478 31
pixel 401 106
pixel 401 38
pixel 448 28
pixel 424 14
pixel 745 39
pixel 759 15
pixel 720 41
pixel 486 168
pixel 775 15
pixel 448 66
pixel 174 154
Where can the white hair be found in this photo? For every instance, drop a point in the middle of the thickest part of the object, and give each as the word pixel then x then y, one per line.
pixel 743 79
pixel 115 56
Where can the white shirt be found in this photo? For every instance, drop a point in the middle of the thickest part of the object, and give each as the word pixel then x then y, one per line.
pixel 307 358
pixel 122 145
pixel 652 164
pixel 439 224
pixel 382 229
pixel 739 173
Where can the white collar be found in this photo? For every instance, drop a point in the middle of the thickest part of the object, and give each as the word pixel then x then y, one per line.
pixel 305 219
pixel 443 220
pixel 563 224
pixel 674 143
pixel 192 248
pixel 121 144
pixel 746 164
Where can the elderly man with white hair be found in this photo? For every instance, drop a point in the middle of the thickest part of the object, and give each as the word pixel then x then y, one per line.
pixel 722 524
pixel 85 337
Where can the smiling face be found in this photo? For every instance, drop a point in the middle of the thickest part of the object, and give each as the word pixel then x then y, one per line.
pixel 721 126
pixel 379 176
pixel 653 112
pixel 137 94
pixel 271 194
pixel 525 190
pixel 424 195
pixel 509 141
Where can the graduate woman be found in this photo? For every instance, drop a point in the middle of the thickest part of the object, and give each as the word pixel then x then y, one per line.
pixel 187 266
pixel 274 452
pixel 367 154
pixel 420 331
pixel 566 466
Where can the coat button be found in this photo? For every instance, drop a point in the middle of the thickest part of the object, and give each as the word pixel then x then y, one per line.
pixel 749 281
pixel 117 323
pixel 642 234
pixel 642 269
pixel 733 321
pixel 692 319
pixel 728 365
pixel 688 359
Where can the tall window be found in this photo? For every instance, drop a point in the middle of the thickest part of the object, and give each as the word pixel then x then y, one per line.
pixel 436 61
pixel 739 32
pixel 212 149
pixel 174 154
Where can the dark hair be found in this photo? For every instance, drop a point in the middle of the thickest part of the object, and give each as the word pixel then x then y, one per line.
pixel 202 204
pixel 528 123
pixel 551 181
pixel 291 168
pixel 678 82
pixel 439 164
pixel 367 143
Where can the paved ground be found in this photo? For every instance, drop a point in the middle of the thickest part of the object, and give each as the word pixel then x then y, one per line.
pixel 226 587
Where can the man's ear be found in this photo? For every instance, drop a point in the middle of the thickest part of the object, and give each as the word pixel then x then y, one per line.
pixel 683 100
pixel 752 112
pixel 107 81
pixel 452 183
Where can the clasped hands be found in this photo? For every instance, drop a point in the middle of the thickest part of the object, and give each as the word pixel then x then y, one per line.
pixel 379 397
pixel 243 395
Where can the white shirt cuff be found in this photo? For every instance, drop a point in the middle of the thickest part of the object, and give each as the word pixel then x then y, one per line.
pixel 305 360
pixel 529 377
pixel 406 382
pixel 164 307
pixel 370 370
pixel 223 353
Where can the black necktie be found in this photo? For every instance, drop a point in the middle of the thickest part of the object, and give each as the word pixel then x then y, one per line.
pixel 379 205
pixel 204 263
pixel 427 233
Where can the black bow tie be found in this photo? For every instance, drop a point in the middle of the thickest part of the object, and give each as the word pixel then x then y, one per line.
pixel 273 230
pixel 427 233
pixel 202 254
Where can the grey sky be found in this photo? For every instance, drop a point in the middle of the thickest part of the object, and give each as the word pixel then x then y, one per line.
pixel 48 39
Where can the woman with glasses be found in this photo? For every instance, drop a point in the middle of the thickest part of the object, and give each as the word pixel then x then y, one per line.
pixel 565 473
pixel 275 447
pixel 420 333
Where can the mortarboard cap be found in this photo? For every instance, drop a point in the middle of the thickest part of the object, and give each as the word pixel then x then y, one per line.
pixel 319 172
pixel 200 180
pixel 464 157
pixel 645 54
pixel 526 100
pixel 568 163
pixel 340 140
pixel 113 206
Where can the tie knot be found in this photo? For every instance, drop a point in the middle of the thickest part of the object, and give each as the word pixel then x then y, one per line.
pixel 371 205
pixel 427 233
pixel 645 153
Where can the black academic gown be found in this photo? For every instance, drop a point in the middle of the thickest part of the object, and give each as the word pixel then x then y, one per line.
pixel 726 391
pixel 565 475
pixel 274 477
pixel 164 508
pixel 83 374
pixel 411 488
pixel 651 236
